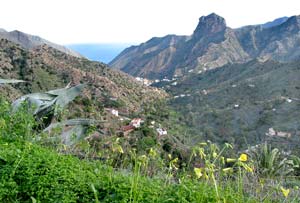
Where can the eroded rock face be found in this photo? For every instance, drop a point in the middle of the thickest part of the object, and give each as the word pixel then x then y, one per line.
pixel 211 45
pixel 209 25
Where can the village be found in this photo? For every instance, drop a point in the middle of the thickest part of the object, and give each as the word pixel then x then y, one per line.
pixel 135 123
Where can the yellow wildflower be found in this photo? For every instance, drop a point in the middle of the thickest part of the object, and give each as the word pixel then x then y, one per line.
pixel 247 168
pixel 226 170
pixel 243 157
pixel 205 175
pixel 222 160
pixel 152 152
pixel 285 192
pixel 202 153
pixel 228 145
pixel 215 155
pixel 198 172
pixel 143 158
pixel 118 149
pixel 230 160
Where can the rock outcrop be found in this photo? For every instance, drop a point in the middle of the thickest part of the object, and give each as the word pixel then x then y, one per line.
pixel 211 45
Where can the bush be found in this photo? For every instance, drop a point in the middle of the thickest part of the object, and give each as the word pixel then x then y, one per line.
pixel 15 126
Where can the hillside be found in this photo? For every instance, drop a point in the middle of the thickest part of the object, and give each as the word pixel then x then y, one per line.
pixel 244 104
pixel 46 68
pixel 212 44
pixel 30 42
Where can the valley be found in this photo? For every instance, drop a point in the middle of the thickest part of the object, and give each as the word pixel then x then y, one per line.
pixel 207 117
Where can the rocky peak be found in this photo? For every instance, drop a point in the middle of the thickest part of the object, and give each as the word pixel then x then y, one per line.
pixel 209 25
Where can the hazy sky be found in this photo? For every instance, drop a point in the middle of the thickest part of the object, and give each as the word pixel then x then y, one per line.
pixel 131 21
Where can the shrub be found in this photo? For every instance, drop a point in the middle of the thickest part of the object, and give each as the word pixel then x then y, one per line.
pixel 15 126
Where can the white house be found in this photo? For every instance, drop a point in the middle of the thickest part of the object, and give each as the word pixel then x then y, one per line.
pixel 136 122
pixel 114 112
pixel 161 131
pixel 236 106
pixel 204 92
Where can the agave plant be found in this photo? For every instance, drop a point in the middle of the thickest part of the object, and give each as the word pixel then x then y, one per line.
pixel 45 106
pixel 6 81
pixel 72 130
pixel 270 162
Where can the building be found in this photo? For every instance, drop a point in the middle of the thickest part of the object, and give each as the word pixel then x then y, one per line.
pixel 127 129
pixel 136 122
pixel 161 131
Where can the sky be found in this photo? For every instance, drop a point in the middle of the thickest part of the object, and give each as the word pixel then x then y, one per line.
pixel 131 21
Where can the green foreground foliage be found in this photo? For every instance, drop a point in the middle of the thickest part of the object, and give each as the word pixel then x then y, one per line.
pixel 31 172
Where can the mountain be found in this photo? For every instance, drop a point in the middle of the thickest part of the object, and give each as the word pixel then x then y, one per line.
pixel 45 68
pixel 30 42
pixel 275 22
pixel 98 52
pixel 211 45
pixel 244 104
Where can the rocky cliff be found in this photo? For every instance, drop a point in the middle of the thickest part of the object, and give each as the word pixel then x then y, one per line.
pixel 212 44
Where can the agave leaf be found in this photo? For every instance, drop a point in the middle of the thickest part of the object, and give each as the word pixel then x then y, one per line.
pixel 73 122
pixel 76 132
pixel 5 81
pixel 59 91
pixel 41 96
pixel 68 95
pixel 81 121
pixel 46 101
pixel 37 99
pixel 73 135
pixel 65 95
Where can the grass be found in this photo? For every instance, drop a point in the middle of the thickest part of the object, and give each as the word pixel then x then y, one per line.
pixel 31 172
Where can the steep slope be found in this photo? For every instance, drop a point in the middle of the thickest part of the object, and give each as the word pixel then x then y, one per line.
pixel 212 45
pixel 240 103
pixel 107 92
pixel 279 42
pixel 150 59
pixel 46 68
pixel 29 42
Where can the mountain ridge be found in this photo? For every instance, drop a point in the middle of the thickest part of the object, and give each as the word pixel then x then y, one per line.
pixel 29 42
pixel 211 45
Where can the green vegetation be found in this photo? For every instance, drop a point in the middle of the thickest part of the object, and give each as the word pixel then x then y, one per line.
pixel 32 171
pixel 239 103
pixel 87 154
